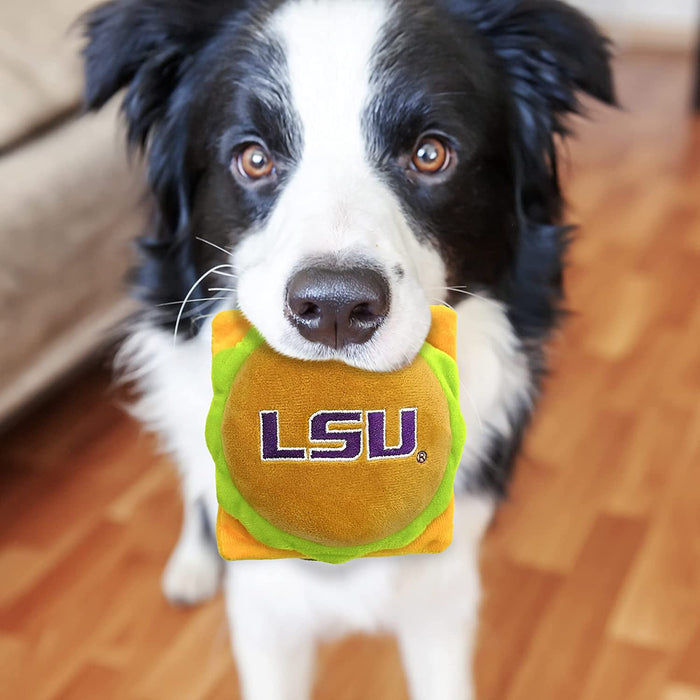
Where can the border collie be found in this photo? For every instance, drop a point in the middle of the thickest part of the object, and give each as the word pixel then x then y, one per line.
pixel 333 168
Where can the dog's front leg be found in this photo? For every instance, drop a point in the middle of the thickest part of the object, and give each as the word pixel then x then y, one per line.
pixel 193 571
pixel 273 668
pixel 275 650
pixel 436 656
pixel 437 600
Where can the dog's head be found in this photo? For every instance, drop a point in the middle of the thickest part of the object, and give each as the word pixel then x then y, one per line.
pixel 354 161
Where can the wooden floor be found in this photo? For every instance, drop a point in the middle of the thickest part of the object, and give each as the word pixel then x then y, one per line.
pixel 591 570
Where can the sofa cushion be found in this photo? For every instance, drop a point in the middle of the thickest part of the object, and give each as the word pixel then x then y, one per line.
pixel 40 70
pixel 70 206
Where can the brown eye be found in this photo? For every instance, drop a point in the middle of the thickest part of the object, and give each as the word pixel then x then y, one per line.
pixel 431 155
pixel 254 162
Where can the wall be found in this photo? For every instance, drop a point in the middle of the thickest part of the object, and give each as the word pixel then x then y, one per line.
pixel 660 23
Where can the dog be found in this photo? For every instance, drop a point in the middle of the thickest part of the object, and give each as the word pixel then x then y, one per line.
pixel 332 168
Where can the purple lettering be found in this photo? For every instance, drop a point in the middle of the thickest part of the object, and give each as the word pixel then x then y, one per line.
pixel 270 440
pixel 376 434
pixel 319 431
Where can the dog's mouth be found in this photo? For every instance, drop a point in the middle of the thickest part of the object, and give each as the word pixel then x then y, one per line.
pixel 370 343
pixel 367 333
pixel 355 309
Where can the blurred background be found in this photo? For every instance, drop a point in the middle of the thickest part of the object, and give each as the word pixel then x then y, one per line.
pixel 592 568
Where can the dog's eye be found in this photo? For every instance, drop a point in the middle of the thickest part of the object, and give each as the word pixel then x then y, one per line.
pixel 431 155
pixel 254 162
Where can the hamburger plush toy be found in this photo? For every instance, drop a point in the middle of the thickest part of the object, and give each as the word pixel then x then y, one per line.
pixel 320 460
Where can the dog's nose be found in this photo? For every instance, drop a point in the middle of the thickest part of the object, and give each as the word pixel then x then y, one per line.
pixel 337 307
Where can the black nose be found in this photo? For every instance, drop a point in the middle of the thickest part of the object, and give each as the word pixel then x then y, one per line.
pixel 337 307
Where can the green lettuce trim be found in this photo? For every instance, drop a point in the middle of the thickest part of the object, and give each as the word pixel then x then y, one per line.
pixel 226 365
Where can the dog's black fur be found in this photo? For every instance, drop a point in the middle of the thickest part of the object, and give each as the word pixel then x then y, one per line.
pixel 498 76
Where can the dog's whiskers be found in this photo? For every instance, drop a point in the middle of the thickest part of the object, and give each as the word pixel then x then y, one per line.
pixel 201 316
pixel 214 245
pixel 440 302
pixel 216 269
pixel 189 301
pixel 202 304
pixel 198 309
pixel 467 393
pixel 463 290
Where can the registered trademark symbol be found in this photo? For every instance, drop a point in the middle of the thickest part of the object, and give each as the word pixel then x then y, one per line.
pixel 422 457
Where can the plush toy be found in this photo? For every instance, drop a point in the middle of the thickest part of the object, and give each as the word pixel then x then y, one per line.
pixel 324 461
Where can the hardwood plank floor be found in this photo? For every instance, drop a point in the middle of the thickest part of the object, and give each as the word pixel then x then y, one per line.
pixel 591 569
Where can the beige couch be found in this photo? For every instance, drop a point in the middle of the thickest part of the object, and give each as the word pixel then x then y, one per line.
pixel 69 204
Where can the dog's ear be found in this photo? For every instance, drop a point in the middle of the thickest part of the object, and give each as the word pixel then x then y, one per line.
pixel 549 49
pixel 550 53
pixel 144 46
pixel 148 47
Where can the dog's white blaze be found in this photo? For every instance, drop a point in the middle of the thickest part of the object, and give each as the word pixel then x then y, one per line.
pixel 328 48
pixel 335 203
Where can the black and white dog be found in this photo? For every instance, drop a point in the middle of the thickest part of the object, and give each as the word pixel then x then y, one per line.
pixel 332 168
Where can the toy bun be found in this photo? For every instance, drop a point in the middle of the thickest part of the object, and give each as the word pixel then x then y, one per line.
pixel 325 461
